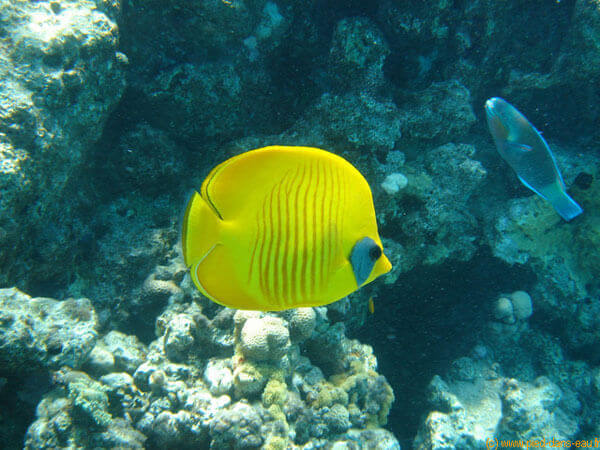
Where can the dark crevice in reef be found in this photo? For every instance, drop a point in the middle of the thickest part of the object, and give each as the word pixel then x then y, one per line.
pixel 23 395
pixel 103 160
pixel 328 12
pixel 291 73
pixel 298 68
pixel 434 320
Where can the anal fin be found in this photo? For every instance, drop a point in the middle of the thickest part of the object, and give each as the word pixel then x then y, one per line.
pixel 216 277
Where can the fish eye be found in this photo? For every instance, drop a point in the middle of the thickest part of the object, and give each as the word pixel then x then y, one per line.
pixel 375 253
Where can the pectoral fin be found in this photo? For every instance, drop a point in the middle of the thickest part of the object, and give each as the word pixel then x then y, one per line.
pixel 517 147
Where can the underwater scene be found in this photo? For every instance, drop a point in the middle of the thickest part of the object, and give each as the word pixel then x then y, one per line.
pixel 299 224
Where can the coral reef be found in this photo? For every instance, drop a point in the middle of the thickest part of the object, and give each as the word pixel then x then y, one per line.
pixel 493 48
pixel 210 96
pixel 302 322
pixel 42 333
pixel 441 112
pixel 373 124
pixel 111 111
pixel 495 392
pixel 116 352
pixel 62 76
pixel 531 232
pixel 358 51
pixel 430 215
pixel 265 338
pixel 479 405
pixel 76 414
pixel 234 380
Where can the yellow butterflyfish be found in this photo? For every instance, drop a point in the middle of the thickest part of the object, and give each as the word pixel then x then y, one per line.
pixel 282 227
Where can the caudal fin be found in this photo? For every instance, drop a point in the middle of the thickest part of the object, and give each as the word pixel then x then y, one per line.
pixel 200 229
pixel 565 206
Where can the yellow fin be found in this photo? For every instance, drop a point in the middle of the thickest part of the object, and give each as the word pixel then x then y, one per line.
pixel 213 276
pixel 243 180
pixel 200 230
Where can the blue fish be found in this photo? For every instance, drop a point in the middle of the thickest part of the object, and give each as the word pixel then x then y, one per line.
pixel 526 151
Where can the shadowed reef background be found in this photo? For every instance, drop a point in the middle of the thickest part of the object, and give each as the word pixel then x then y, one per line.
pixel 112 111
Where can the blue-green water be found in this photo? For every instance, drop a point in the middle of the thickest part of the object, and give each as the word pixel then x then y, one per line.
pixel 113 112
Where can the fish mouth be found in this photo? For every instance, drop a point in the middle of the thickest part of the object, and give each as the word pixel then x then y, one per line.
pixel 490 106
pixel 496 122
pixel 496 113
pixel 490 113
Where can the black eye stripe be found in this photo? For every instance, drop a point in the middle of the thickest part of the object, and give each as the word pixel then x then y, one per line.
pixel 365 254
pixel 375 253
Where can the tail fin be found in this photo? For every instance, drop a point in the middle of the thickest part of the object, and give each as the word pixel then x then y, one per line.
pixel 565 206
pixel 200 230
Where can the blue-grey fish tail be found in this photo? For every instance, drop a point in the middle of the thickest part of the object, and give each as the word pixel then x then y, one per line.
pixel 565 206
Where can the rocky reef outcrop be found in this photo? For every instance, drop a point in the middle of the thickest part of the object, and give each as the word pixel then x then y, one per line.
pixel 235 379
pixel 62 76
pixel 494 394
pixel 44 334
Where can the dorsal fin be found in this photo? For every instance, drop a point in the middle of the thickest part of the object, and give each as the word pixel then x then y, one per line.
pixel 244 179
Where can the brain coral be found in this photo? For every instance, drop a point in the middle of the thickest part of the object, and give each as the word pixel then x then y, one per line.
pixel 302 323
pixel 264 339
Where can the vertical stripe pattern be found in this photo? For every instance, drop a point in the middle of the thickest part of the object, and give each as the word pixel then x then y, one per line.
pixel 298 234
